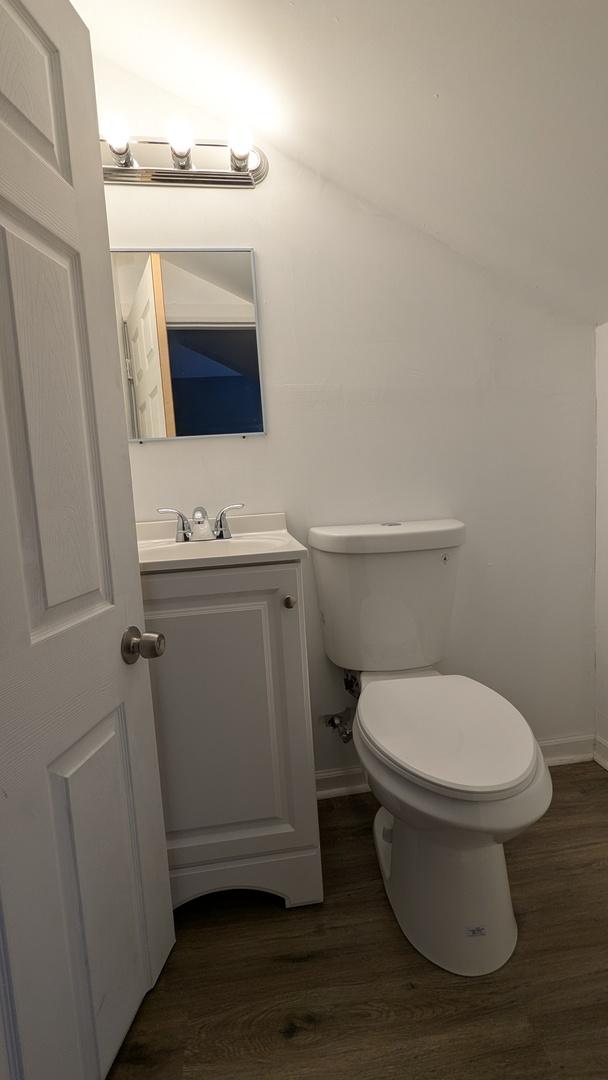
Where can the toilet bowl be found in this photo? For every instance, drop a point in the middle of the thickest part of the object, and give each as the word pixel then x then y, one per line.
pixel 455 766
pixel 457 772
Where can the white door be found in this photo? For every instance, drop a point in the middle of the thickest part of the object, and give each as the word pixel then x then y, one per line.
pixel 147 333
pixel 85 917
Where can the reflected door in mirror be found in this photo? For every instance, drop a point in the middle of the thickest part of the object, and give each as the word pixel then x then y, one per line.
pixel 188 330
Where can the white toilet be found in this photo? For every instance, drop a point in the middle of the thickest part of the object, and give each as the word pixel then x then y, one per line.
pixel 455 767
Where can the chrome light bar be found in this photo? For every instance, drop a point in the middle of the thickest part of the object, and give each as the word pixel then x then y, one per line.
pixel 146 160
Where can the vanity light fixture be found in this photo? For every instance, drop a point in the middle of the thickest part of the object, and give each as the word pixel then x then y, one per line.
pixel 182 160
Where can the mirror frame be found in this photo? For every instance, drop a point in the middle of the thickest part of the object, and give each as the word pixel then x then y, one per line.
pixel 218 435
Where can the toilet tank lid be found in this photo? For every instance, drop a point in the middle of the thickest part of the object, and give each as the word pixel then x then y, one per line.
pixel 388 536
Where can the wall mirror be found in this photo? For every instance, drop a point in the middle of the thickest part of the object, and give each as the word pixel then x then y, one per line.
pixel 188 335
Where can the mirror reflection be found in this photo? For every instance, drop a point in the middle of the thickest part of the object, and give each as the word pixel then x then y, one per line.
pixel 189 345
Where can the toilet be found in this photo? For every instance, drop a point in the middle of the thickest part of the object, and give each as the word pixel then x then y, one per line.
pixel 455 767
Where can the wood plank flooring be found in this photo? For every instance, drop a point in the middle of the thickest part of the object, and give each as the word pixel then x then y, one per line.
pixel 334 991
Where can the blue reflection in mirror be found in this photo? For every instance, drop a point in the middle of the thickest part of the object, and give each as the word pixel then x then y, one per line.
pixel 215 380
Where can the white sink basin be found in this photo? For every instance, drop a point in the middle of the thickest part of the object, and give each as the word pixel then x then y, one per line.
pixel 256 538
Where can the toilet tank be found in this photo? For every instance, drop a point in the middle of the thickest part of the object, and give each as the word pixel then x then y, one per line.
pixel 386 591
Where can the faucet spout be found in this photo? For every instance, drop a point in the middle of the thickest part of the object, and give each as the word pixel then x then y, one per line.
pixel 201 526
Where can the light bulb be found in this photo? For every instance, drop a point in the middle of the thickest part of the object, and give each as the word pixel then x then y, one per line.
pixel 180 138
pixel 116 134
pixel 240 148
pixel 240 141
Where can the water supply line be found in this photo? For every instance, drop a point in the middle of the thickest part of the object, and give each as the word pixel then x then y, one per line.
pixel 342 722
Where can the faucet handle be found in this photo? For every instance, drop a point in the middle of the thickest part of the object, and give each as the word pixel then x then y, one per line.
pixel 184 528
pixel 221 527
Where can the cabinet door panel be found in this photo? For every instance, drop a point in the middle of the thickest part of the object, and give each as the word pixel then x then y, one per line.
pixel 232 713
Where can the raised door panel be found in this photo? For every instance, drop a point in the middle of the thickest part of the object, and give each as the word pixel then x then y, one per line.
pixel 144 345
pixel 91 796
pixel 218 717
pixel 51 425
pixel 31 93
pixel 232 713
pixel 73 901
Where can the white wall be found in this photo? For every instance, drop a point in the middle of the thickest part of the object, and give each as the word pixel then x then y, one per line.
pixel 401 381
pixel 482 122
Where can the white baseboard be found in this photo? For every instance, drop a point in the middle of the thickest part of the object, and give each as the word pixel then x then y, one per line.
pixel 567 751
pixel 332 783
pixel 336 782
pixel 600 754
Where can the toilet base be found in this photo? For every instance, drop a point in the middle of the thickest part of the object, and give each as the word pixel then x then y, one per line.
pixel 452 902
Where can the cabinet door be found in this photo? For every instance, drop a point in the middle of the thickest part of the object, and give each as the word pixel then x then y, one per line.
pixel 232 712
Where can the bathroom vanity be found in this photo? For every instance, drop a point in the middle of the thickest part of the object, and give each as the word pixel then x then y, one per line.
pixel 232 709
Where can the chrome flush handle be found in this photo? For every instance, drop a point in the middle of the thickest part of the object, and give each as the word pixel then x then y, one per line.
pixel 221 528
pixel 184 528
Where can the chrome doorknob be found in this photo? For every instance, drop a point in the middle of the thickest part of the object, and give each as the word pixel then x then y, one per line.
pixel 290 601
pixel 135 644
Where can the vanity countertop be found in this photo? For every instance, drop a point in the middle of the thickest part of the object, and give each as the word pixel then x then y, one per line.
pixel 256 538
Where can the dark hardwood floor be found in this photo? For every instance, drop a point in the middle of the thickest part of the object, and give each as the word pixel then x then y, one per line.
pixel 335 991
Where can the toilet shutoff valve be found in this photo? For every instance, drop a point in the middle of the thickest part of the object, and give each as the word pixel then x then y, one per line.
pixel 342 722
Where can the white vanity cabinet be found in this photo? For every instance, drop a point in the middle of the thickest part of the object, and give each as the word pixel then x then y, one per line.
pixel 234 731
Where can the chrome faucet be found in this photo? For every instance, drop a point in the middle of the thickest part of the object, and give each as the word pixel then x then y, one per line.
pixel 200 527
pixel 221 529
pixel 184 528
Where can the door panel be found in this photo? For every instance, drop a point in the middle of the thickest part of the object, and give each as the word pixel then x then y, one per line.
pixel 232 713
pixel 31 97
pixel 99 867
pixel 219 732
pixel 85 917
pixel 50 414
pixel 144 348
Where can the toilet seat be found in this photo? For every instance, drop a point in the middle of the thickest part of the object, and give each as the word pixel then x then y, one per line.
pixel 450 734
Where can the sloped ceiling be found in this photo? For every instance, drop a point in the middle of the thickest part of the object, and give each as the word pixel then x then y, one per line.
pixel 482 122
